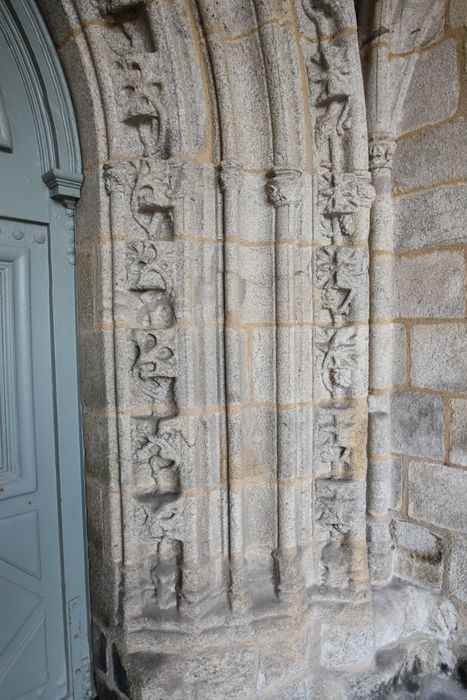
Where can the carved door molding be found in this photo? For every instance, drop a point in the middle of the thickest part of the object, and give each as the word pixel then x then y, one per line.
pixel 234 239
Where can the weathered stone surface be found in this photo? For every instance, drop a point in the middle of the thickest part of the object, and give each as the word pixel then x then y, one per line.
pixel 425 286
pixel 431 100
pixel 402 610
pixel 457 568
pixel 458 432
pixel 417 424
pixel 437 495
pixel 392 369
pixel 429 286
pixel 430 218
pixel 457 13
pixel 439 356
pixel 431 156
pixel 420 554
pixel 346 646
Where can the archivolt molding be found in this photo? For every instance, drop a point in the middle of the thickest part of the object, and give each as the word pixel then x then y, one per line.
pixel 233 151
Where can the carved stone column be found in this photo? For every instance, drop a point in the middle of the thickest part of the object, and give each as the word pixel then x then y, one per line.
pixel 380 552
pixel 230 180
pixel 284 193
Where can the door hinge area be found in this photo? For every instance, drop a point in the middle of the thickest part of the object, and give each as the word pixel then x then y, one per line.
pixel 80 655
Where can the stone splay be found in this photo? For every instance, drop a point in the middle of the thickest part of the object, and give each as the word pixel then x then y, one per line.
pixel 271 272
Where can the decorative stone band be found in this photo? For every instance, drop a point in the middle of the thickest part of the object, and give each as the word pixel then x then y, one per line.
pixel 147 188
pixel 340 381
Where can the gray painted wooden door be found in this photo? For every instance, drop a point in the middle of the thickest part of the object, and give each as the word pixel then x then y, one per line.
pixel 36 646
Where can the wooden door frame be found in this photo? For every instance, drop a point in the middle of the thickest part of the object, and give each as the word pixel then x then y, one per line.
pixel 57 135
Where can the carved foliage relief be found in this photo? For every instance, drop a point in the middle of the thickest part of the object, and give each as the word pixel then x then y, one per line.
pixel 343 197
pixel 150 186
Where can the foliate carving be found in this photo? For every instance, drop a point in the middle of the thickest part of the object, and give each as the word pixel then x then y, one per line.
pixel 337 274
pixel 158 184
pixel 139 94
pixel 151 279
pixel 119 176
pixel 143 272
pixel 331 71
pixel 331 79
pixel 154 368
pixel 283 185
pixel 339 197
pixel 337 346
pixel 156 453
pixel 152 187
pixel 381 154
pixel 334 455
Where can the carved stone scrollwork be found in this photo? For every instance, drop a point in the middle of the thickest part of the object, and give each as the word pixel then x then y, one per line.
pixel 119 176
pixel 337 274
pixel 337 346
pixel 154 369
pixel 142 270
pixel 331 72
pixel 156 452
pixel 157 187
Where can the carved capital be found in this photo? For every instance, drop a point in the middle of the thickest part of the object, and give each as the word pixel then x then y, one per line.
pixel 283 186
pixel 381 154
pixel 229 175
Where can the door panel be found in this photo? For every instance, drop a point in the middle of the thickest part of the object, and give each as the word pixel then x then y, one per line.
pixel 33 659
pixel 17 456
pixel 44 645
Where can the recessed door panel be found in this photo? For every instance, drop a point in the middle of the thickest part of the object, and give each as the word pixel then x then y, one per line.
pixel 17 452
pixel 32 633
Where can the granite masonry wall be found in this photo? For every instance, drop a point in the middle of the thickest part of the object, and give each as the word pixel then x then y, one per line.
pixel 271 276
pixel 418 293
